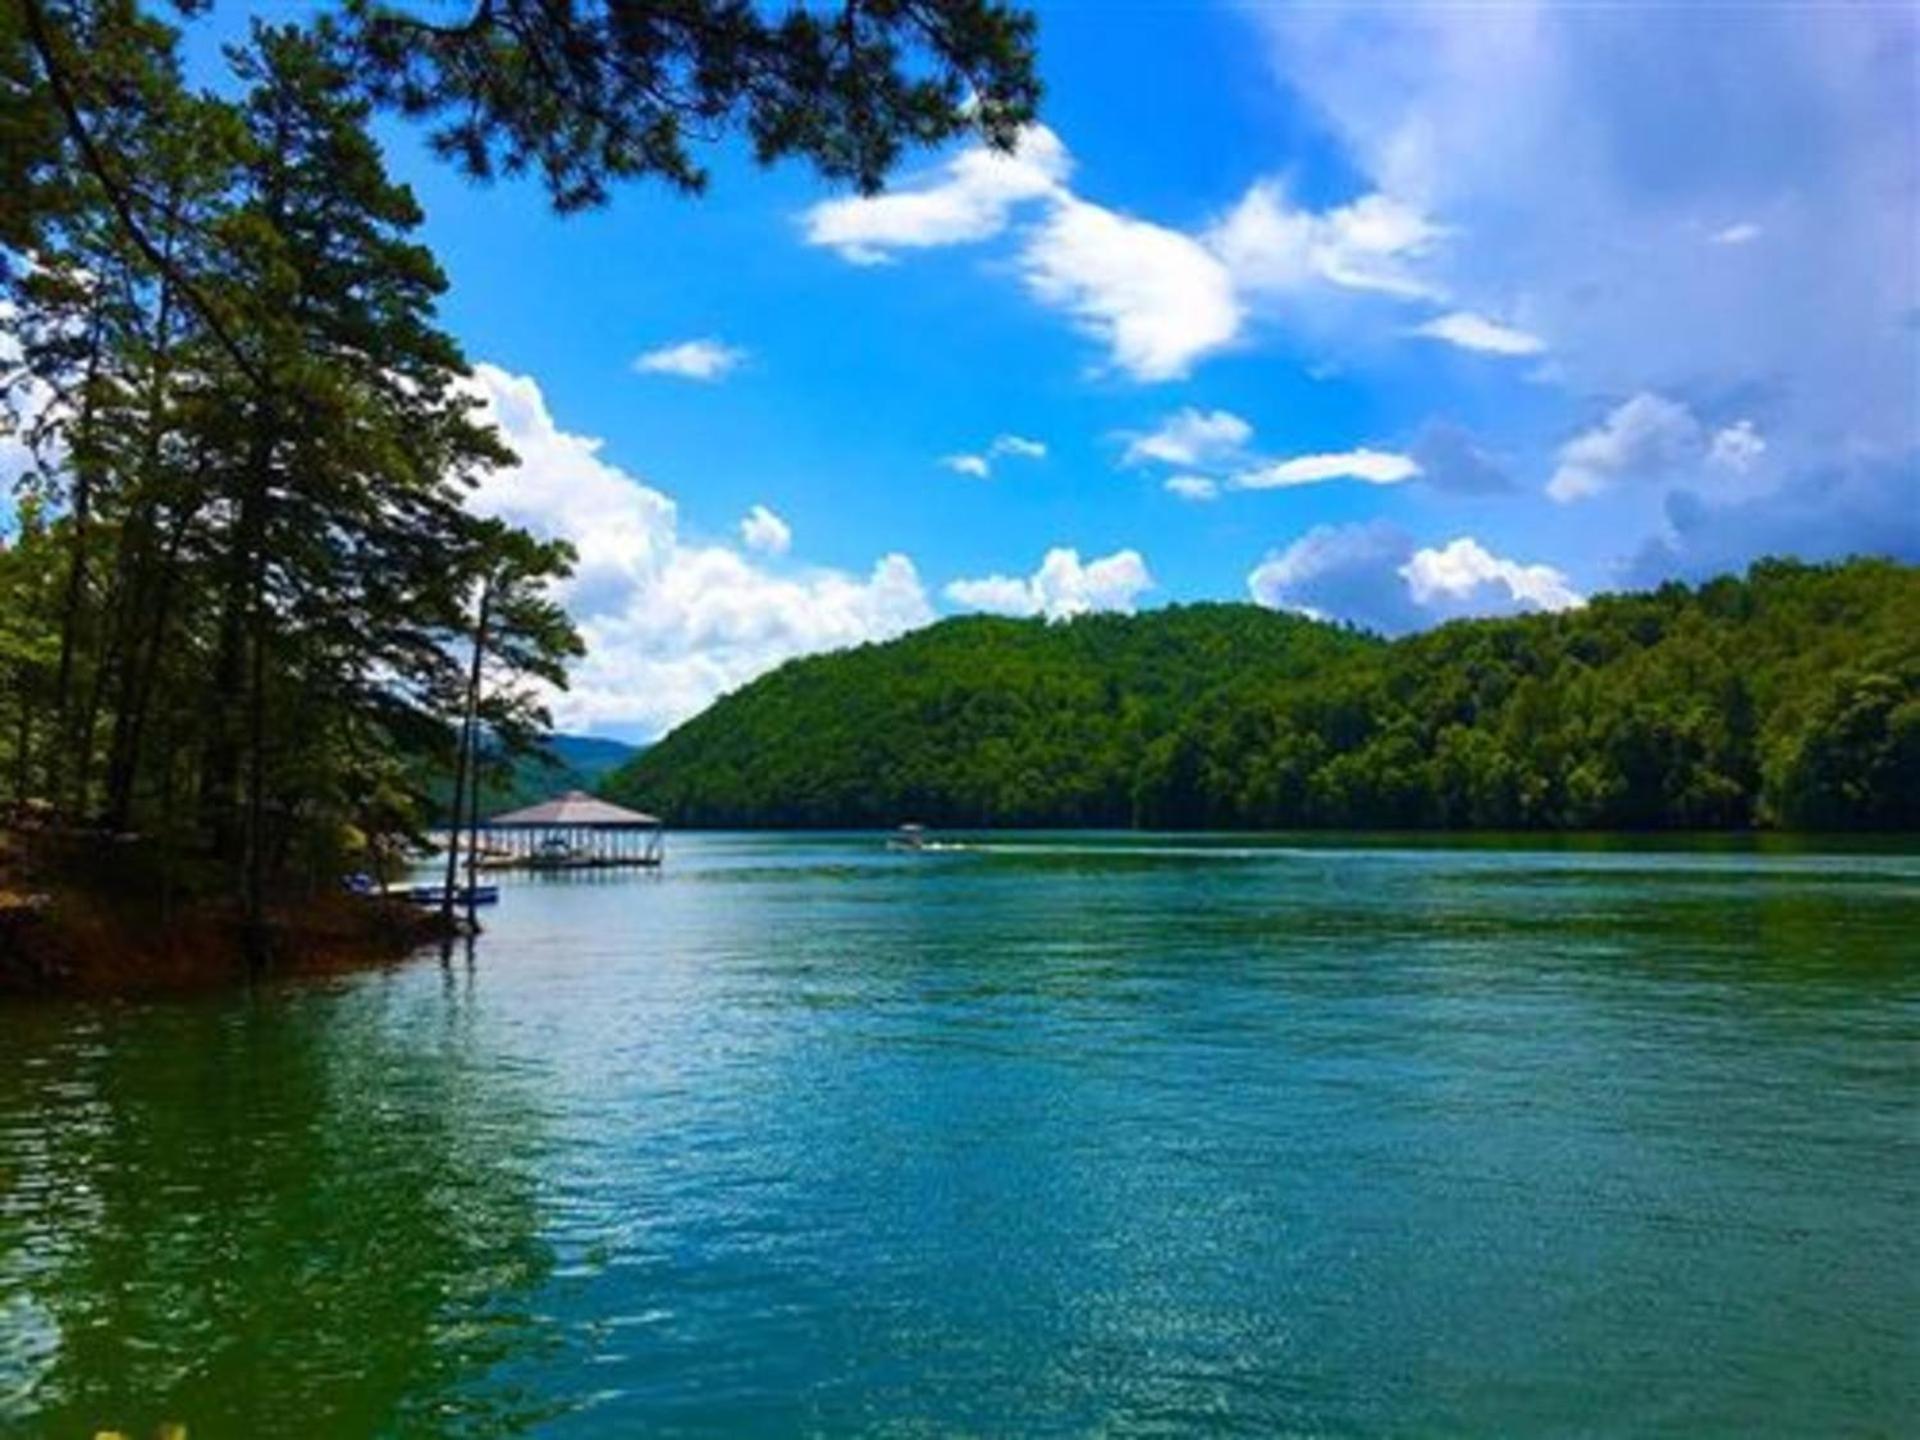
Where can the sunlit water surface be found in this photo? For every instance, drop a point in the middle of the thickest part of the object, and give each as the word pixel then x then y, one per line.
pixel 1047 1136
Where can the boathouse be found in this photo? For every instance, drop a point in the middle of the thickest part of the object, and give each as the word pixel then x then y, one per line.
pixel 574 831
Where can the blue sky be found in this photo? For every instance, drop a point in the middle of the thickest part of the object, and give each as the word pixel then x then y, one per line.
pixel 1388 314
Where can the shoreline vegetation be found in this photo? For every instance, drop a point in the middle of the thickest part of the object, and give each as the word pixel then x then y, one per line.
pixel 253 633
pixel 1787 699
pixel 92 916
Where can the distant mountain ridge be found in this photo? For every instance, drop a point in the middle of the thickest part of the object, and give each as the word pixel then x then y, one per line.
pixel 574 762
pixel 1788 697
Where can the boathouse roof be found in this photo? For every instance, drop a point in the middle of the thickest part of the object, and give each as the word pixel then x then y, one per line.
pixel 577 809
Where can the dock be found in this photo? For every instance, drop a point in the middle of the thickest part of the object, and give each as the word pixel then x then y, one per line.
pixel 574 831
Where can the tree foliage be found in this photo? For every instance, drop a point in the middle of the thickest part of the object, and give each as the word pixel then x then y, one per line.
pixel 1789 697
pixel 240 597
pixel 245 614
pixel 603 90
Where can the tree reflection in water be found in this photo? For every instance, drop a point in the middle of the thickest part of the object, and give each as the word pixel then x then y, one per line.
pixel 304 1212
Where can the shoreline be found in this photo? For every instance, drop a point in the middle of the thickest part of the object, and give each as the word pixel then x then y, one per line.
pixel 1755 839
pixel 67 944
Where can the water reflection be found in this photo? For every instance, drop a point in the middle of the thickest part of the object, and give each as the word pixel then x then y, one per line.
pixel 306 1213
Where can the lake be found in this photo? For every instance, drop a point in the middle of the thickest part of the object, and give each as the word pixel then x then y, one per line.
pixel 1048 1135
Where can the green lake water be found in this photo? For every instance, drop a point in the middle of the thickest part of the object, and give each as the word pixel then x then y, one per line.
pixel 1043 1136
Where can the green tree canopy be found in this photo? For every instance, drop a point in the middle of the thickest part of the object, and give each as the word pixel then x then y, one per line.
pixel 1788 698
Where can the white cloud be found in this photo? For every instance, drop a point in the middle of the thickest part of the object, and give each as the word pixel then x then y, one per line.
pixel 1463 572
pixel 1645 435
pixel 1217 442
pixel 1374 575
pixel 996 594
pixel 970 199
pixel 1158 299
pixel 1738 447
pixel 670 624
pixel 1271 246
pixel 1062 586
pixel 1192 487
pixel 980 466
pixel 707 359
pixel 766 532
pixel 1375 467
pixel 26 404
pixel 1653 439
pixel 974 465
pixel 1604 171
pixel 1191 437
pixel 1017 446
pixel 17 418
pixel 1476 332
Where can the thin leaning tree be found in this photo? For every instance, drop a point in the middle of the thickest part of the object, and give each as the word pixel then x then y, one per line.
pixel 520 634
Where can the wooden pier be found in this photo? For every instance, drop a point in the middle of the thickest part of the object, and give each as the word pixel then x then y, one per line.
pixel 575 831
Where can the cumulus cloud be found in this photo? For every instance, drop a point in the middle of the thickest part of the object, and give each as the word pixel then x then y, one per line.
pixel 766 532
pixel 980 465
pixel 1375 467
pixel 1471 331
pixel 1463 573
pixel 1584 154
pixel 1374 575
pixel 969 199
pixel 1272 246
pixel 1061 587
pixel 1192 487
pixel 1156 298
pixel 1191 437
pixel 707 359
pixel 670 623
pixel 1341 572
pixel 1647 435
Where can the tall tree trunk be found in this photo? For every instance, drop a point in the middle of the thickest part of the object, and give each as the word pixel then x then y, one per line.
pixel 220 789
pixel 23 754
pixel 466 755
pixel 256 831
pixel 135 579
pixel 140 676
pixel 473 831
pixel 221 776
pixel 83 463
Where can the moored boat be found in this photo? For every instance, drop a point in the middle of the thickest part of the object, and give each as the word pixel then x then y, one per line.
pixel 462 894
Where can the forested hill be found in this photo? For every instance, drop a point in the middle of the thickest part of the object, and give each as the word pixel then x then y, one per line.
pixel 971 721
pixel 1790 698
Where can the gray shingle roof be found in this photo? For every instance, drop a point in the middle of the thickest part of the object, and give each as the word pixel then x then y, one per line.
pixel 576 807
